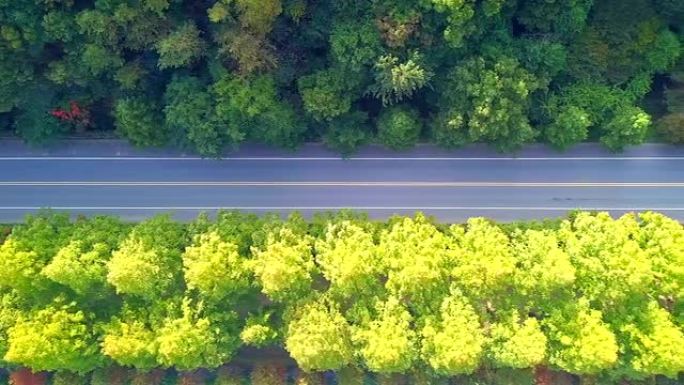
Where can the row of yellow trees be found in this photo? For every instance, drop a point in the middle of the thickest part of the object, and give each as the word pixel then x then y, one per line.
pixel 590 295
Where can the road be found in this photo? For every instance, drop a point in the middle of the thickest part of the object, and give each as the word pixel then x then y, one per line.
pixel 86 179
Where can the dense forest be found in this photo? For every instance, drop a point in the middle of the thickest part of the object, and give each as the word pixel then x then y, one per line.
pixel 209 74
pixel 97 301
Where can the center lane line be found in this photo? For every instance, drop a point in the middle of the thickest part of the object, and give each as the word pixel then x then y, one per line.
pixel 339 184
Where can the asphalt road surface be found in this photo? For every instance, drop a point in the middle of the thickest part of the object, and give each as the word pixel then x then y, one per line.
pixel 110 178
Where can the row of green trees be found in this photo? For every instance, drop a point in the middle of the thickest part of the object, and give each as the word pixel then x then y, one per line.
pixel 591 295
pixel 211 74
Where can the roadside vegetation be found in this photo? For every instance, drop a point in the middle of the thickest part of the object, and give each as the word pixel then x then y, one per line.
pixel 406 301
pixel 209 75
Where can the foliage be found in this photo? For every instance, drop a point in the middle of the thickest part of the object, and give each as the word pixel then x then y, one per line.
pixel 190 112
pixel 284 266
pixel 488 100
pixel 181 48
pixel 399 128
pixel 387 343
pixel 215 268
pixel 58 337
pixel 318 337
pixel 148 261
pixel 452 341
pixel 195 340
pixel 139 121
pixel 591 295
pixel 348 132
pixel 476 71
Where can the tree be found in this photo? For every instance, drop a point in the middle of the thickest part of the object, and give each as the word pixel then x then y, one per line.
pixel 487 100
pixel 347 133
pixel 610 266
pixel 627 127
pixel 452 341
pixel 388 343
pixel 417 258
pixel 662 239
pixel 251 108
pixel 354 44
pixel 57 337
pixel 196 340
pixel 399 127
pixel 485 265
pixel 28 249
pixel 81 264
pixel 326 94
pixel 570 126
pixel 148 262
pixel 181 48
pixel 516 342
pixel 9 313
pixel 318 337
pixel 138 120
pixel 395 81
pixel 130 337
pixel 259 331
pixel 579 341
pixel 348 259
pixel 285 265
pixel 190 111
pixel 652 343
pixel 215 268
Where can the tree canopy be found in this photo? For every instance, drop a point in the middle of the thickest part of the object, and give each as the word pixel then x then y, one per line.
pixel 591 295
pixel 208 75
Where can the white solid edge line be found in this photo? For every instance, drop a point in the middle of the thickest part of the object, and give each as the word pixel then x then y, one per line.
pixel 334 184
pixel 142 158
pixel 434 208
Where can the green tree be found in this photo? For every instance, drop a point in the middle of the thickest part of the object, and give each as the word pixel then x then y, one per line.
pixel 181 48
pixel 196 340
pixel 517 343
pixel 57 337
pixel 215 268
pixel 148 262
pixel 628 127
pixel 189 111
pixel 348 259
pixel 139 121
pixel 388 343
pixel 452 340
pixel 347 133
pixel 399 127
pixel 284 266
pixel 395 81
pixel 81 264
pixel 326 94
pixel 579 341
pixel 318 337
pixel 487 100
pixel 355 44
pixel 252 108
pixel 570 126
